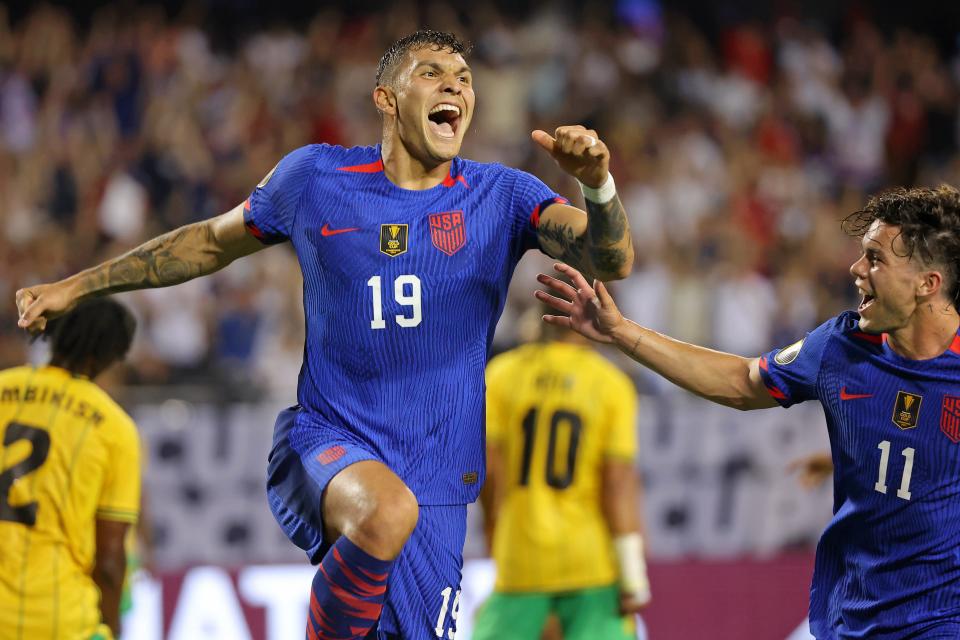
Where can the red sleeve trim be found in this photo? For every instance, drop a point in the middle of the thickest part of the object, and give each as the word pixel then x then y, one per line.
pixel 535 216
pixel 255 231
pixel 772 389
pixel 776 393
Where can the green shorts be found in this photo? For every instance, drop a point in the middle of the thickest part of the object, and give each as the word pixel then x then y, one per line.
pixel 102 633
pixel 587 614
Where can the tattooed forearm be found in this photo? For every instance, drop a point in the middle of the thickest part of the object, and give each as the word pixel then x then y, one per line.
pixel 607 222
pixel 175 257
pixel 602 248
pixel 608 260
pixel 609 244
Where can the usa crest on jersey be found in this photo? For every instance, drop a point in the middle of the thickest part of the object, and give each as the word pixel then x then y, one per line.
pixel 447 231
pixel 950 417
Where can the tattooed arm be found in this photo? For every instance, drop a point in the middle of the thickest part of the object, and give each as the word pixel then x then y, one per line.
pixel 180 255
pixel 598 243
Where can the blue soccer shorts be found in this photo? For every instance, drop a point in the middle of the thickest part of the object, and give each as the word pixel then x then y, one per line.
pixel 423 591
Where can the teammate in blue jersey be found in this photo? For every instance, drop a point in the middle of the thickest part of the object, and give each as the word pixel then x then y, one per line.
pixel 888 377
pixel 406 251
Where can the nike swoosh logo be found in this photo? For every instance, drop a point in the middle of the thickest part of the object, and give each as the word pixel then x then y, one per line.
pixel 327 231
pixel 853 396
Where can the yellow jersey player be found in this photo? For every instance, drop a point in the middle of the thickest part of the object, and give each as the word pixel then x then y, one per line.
pixel 69 483
pixel 562 495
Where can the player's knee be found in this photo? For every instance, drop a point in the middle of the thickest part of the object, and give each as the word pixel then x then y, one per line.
pixel 384 527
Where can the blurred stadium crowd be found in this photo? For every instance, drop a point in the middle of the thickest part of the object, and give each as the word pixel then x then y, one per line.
pixel 736 153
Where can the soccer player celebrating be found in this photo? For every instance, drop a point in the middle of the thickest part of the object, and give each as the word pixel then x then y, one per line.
pixel 406 251
pixel 70 483
pixel 888 377
pixel 561 494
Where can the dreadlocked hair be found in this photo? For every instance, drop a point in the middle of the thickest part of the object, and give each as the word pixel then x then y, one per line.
pixel 92 336
pixel 929 221
pixel 422 39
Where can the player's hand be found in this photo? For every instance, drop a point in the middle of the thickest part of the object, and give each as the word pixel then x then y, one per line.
pixel 813 470
pixel 42 302
pixel 579 151
pixel 590 311
pixel 633 603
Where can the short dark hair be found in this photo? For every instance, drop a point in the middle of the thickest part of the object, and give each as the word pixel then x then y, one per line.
pixel 421 39
pixel 91 337
pixel 929 221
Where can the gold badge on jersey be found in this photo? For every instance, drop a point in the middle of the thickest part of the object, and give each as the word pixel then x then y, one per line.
pixel 393 239
pixel 789 354
pixel 906 411
pixel 470 477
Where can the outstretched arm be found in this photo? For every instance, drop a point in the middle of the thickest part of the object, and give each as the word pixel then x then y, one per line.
pixel 182 254
pixel 109 569
pixel 491 497
pixel 599 242
pixel 723 378
pixel 620 502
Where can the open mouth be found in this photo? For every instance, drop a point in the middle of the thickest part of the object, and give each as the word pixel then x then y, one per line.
pixel 444 120
pixel 865 302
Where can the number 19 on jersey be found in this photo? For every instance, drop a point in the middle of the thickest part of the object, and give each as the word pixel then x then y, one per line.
pixel 406 291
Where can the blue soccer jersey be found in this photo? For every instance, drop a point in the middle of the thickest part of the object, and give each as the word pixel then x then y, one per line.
pixel 402 292
pixel 888 564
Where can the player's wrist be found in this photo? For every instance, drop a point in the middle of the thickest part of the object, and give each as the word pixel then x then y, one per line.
pixel 74 289
pixel 633 567
pixel 601 194
pixel 618 332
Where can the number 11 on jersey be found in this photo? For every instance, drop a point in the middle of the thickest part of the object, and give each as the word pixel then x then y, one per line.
pixel 881 485
pixel 411 299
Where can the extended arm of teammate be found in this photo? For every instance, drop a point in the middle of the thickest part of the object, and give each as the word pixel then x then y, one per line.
pixel 620 500
pixel 193 250
pixel 723 378
pixel 598 243
pixel 109 569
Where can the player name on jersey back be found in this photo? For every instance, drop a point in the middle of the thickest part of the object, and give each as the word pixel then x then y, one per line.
pixel 52 396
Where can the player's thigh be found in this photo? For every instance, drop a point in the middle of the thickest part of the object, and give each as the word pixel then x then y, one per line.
pixel 423 591
pixel 302 463
pixel 594 614
pixel 512 616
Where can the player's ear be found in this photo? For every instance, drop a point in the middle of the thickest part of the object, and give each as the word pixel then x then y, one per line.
pixel 930 283
pixel 386 100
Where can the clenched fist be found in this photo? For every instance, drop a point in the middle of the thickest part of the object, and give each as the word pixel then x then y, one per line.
pixel 579 151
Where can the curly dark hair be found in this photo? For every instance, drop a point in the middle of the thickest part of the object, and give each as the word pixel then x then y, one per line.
pixel 929 221
pixel 91 336
pixel 436 40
